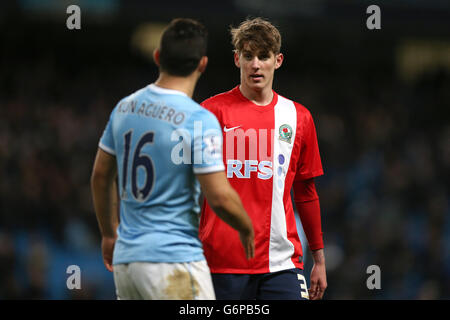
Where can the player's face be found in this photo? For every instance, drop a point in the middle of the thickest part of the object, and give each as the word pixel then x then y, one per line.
pixel 257 68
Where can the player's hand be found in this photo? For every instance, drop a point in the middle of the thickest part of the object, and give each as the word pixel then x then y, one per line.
pixel 318 281
pixel 107 251
pixel 248 242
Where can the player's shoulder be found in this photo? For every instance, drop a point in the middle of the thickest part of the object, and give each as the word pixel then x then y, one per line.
pixel 220 99
pixel 301 109
pixel 201 113
pixel 131 97
pixel 201 119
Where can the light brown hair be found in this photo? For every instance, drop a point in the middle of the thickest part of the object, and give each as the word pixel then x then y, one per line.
pixel 259 34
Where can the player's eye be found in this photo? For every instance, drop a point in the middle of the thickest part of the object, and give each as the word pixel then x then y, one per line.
pixel 263 56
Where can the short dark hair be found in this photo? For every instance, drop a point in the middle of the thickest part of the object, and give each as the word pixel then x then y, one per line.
pixel 183 44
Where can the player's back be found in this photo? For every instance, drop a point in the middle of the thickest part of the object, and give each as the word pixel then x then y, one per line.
pixel 151 133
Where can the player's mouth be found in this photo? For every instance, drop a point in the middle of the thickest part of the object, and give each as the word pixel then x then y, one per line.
pixel 257 77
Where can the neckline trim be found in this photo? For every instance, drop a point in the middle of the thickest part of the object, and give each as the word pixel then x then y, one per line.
pixel 155 88
pixel 255 106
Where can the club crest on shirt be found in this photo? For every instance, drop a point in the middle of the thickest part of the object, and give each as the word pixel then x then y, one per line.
pixel 285 133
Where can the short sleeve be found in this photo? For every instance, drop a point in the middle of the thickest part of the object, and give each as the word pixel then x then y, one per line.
pixel 107 140
pixel 309 164
pixel 207 143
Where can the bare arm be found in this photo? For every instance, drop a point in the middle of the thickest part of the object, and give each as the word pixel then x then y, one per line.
pixel 104 194
pixel 226 203
pixel 318 276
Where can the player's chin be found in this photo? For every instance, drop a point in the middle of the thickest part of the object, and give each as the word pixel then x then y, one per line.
pixel 259 85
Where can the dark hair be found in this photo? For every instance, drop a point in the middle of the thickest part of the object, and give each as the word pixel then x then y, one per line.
pixel 183 44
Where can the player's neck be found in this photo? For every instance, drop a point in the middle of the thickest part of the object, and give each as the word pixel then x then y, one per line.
pixel 259 97
pixel 183 84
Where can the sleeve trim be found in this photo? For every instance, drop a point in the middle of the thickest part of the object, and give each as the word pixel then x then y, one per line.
pixel 203 170
pixel 316 246
pixel 106 149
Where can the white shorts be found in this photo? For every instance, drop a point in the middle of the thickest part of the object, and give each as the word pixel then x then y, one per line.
pixel 163 281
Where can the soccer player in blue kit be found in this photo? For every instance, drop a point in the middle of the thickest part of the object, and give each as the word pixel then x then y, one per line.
pixel 161 146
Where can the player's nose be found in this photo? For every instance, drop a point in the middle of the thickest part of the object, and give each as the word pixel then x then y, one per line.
pixel 255 63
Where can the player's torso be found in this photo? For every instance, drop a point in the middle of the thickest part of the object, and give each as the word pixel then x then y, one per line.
pixel 158 193
pixel 258 144
pixel 260 152
pixel 142 126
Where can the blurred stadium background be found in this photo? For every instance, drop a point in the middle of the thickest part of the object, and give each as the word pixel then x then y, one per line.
pixel 380 100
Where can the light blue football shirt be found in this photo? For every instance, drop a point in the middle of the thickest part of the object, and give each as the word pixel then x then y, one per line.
pixel 161 138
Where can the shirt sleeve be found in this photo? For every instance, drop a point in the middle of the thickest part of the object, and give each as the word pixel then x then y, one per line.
pixel 207 144
pixel 309 164
pixel 107 140
pixel 305 190
pixel 309 213
pixel 308 207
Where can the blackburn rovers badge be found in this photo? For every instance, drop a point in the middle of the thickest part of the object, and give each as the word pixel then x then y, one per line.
pixel 285 133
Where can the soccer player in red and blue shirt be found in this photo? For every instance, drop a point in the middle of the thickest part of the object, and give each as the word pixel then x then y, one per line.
pixel 270 147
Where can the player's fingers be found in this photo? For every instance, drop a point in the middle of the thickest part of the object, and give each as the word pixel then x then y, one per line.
pixel 313 290
pixel 249 246
pixel 246 249
pixel 314 286
pixel 108 265
pixel 252 249
pixel 321 290
pixel 312 295
pixel 319 294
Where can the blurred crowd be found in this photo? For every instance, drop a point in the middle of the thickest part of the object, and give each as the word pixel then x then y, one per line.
pixel 385 149
pixel 384 195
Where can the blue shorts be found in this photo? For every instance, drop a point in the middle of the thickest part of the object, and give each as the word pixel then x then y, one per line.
pixel 282 285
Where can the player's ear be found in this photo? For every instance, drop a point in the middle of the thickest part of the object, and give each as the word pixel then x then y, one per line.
pixel 236 59
pixel 156 56
pixel 278 60
pixel 202 64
